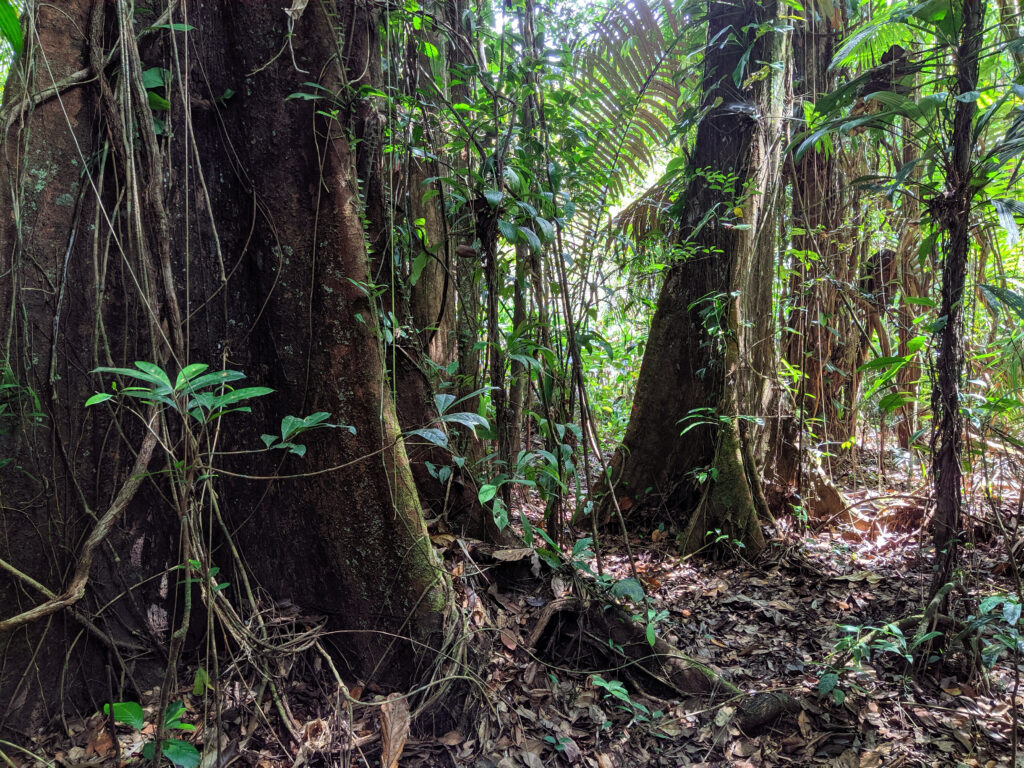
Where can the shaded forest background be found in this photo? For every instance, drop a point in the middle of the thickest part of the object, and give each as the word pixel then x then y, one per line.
pixel 313 314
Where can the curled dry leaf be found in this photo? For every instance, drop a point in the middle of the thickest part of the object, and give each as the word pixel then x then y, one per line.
pixel 394 729
pixel 317 734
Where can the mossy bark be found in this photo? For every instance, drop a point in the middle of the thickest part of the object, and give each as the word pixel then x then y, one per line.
pixel 267 260
pixel 709 346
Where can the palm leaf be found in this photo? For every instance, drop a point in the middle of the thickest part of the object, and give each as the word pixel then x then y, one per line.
pixel 10 29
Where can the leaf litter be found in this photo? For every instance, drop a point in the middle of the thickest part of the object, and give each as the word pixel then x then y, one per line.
pixel 777 625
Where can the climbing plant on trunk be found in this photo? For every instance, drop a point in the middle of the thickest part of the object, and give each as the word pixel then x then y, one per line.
pixel 196 199
pixel 687 453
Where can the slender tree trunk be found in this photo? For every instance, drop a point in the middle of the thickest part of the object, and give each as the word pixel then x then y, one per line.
pixel 807 338
pixel 243 211
pixel 953 215
pixel 704 334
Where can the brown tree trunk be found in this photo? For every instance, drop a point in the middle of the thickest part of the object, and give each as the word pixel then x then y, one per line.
pixel 704 335
pixel 233 236
pixel 808 338
pixel 953 214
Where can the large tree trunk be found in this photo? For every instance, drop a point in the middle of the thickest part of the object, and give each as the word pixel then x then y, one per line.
pixel 699 365
pixel 234 237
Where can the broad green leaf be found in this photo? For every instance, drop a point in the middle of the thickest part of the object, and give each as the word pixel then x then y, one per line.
pixel 531 238
pixel 212 379
pixel 127 712
pixel 467 419
pixel 136 375
pixel 508 230
pixel 882 362
pixel 431 434
pixel 181 753
pixel 827 683
pixel 630 589
pixel 98 398
pixel 157 102
pixel 10 29
pixel 417 268
pixel 186 374
pixel 201 682
pixel 486 493
pixel 1004 296
pixel 155 77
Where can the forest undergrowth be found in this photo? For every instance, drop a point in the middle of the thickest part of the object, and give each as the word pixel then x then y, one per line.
pixel 826 615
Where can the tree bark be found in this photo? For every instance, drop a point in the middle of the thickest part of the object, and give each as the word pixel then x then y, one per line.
pixel 707 332
pixel 952 212
pixel 817 216
pixel 262 233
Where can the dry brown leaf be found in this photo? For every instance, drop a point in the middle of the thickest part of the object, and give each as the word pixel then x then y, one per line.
pixel 317 734
pixel 605 761
pixel 100 744
pixel 394 729
pixel 510 555
pixel 452 739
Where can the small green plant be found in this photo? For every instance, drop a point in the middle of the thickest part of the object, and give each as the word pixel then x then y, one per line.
pixel 203 396
pixel 998 621
pixel 180 753
pixel 615 690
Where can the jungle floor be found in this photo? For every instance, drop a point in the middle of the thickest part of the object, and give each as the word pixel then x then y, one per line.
pixel 778 625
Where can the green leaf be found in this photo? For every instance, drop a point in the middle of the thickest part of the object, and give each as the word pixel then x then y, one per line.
pixel 1008 298
pixel 98 398
pixel 159 380
pixel 245 393
pixel 546 229
pixel 467 419
pixel 153 370
pixel 181 753
pixel 827 683
pixel 883 362
pixel 493 196
pixel 127 712
pixel 417 268
pixel 10 29
pixel 157 102
pixel 431 434
pixel 486 493
pixel 513 180
pixel 895 400
pixel 186 374
pixel 629 589
pixel 201 682
pixel 508 230
pixel 213 379
pixel 176 709
pixel 155 77
pixel 175 27
pixel 651 636
pixel 531 238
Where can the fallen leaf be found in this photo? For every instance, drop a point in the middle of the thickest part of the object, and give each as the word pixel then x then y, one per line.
pixel 394 729
pixel 511 555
